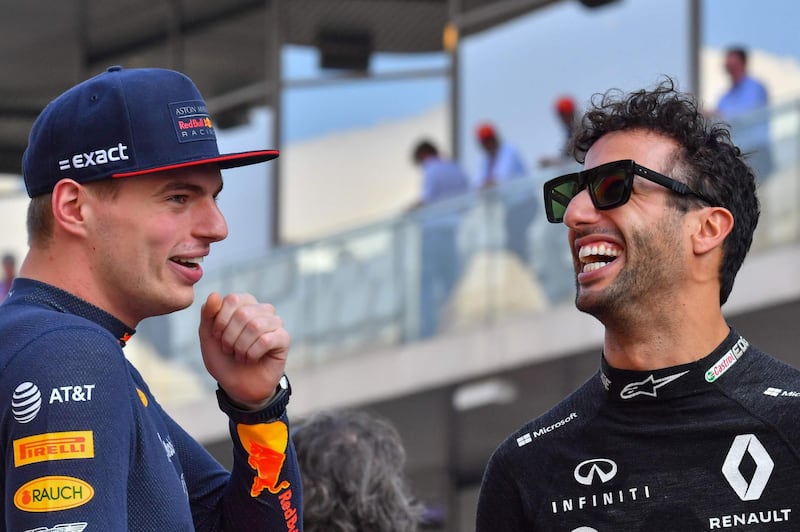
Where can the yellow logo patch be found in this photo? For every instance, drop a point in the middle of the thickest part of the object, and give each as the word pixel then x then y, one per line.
pixel 53 446
pixel 48 494
pixel 142 397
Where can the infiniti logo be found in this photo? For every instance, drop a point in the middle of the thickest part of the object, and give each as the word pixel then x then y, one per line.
pixel 602 468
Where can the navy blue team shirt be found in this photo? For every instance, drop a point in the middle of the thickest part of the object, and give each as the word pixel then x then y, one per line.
pixel 86 446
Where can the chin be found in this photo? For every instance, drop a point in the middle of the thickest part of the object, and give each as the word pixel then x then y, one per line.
pixel 178 301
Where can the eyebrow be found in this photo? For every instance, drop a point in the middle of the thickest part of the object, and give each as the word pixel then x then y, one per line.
pixel 177 186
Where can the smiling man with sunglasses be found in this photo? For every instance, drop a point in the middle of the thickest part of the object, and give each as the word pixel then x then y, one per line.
pixel 679 430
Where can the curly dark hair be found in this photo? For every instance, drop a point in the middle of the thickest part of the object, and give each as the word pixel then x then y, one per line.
pixel 351 464
pixel 707 160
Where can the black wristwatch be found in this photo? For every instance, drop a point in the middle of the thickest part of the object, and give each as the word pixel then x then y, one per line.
pixel 271 411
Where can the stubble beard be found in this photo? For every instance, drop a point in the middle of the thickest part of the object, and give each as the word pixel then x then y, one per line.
pixel 642 286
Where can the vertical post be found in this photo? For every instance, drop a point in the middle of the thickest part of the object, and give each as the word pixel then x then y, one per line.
pixel 453 453
pixel 275 71
pixel 695 44
pixel 451 40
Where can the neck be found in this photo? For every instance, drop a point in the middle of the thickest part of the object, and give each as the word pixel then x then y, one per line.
pixel 673 336
pixel 45 264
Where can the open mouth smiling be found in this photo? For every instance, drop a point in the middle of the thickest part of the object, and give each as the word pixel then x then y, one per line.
pixel 594 257
pixel 188 262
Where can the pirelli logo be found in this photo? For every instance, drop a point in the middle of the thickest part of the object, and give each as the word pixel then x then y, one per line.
pixel 53 446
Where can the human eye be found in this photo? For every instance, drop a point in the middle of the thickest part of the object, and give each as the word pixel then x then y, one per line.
pixel 178 198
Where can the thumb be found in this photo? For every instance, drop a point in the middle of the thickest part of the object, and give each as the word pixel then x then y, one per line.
pixel 208 312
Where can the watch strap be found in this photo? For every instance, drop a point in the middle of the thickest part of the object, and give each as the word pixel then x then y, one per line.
pixel 273 410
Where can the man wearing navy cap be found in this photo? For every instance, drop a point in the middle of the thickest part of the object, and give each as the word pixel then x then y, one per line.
pixel 123 171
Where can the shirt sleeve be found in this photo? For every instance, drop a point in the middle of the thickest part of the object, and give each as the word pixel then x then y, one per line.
pixel 263 490
pixel 499 502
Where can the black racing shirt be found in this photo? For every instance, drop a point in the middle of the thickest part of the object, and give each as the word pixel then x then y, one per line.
pixel 710 445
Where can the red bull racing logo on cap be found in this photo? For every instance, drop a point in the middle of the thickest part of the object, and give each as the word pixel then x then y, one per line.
pixel 265 444
pixel 192 121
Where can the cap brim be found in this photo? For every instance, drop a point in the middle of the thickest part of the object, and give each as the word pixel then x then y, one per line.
pixel 230 160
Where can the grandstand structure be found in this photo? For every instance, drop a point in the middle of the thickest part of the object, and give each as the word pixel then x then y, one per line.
pixel 510 343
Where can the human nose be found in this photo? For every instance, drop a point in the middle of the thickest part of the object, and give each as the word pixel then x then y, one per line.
pixel 580 210
pixel 211 224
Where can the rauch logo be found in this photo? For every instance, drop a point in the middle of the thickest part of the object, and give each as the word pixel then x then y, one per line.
pixel 47 494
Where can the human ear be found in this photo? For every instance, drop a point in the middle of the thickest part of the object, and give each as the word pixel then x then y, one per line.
pixel 68 200
pixel 714 225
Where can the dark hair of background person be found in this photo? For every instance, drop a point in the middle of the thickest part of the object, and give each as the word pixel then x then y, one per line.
pixel 739 51
pixel 707 160
pixel 351 465
pixel 423 149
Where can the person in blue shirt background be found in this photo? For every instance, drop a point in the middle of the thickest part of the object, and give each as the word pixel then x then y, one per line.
pixel 502 163
pixel 744 105
pixel 442 178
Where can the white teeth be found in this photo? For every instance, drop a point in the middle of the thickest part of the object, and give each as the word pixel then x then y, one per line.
pixel 592 266
pixel 598 251
pixel 190 260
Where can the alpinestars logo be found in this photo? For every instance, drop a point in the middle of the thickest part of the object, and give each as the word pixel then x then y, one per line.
pixel 747 444
pixel 649 386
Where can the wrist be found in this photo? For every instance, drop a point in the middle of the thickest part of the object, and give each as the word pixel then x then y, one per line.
pixel 272 409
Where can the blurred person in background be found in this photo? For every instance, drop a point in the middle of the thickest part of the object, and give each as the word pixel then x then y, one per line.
pixel 566 112
pixel 9 273
pixel 686 426
pixel 500 164
pixel 744 105
pixel 440 265
pixel 352 465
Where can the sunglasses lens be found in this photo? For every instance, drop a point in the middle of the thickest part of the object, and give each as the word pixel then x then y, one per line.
pixel 610 189
pixel 558 197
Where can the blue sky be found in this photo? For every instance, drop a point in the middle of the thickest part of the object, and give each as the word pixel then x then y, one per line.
pixel 766 24
pixel 770 25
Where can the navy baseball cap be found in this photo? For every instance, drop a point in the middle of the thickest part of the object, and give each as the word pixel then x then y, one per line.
pixel 122 123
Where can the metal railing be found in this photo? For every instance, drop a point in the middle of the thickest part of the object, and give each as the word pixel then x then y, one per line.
pixel 369 288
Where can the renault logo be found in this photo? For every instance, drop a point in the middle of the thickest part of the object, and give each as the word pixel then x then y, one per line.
pixel 600 468
pixel 747 444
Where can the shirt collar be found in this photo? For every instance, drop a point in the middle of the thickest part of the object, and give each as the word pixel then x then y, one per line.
pixel 676 381
pixel 37 293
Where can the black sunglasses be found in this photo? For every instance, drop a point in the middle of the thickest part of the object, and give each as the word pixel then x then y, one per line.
pixel 609 187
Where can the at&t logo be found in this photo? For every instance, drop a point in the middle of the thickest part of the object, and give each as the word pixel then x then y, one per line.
pixel 26 402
